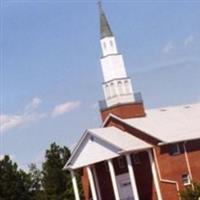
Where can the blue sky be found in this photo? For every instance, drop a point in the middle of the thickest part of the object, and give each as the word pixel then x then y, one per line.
pixel 50 73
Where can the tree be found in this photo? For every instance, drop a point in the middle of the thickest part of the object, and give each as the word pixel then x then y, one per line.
pixel 191 193
pixel 37 193
pixel 14 183
pixel 49 183
pixel 57 182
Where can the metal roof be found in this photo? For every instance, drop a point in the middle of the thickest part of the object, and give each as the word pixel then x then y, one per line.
pixel 105 30
pixel 170 124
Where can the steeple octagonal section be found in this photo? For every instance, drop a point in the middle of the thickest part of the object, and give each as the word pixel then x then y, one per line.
pixel 111 61
pixel 109 46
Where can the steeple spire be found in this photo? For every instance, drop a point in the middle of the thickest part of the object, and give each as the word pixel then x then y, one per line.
pixel 118 91
pixel 104 25
pixel 117 86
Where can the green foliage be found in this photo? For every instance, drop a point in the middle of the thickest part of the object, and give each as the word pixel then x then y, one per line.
pixel 49 183
pixel 14 184
pixel 36 183
pixel 191 193
pixel 56 182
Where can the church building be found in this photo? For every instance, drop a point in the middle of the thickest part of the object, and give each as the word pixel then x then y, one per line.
pixel 136 154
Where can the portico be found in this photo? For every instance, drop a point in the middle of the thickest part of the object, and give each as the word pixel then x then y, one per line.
pixel 102 156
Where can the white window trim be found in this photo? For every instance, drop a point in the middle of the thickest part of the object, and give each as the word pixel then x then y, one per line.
pixel 187 177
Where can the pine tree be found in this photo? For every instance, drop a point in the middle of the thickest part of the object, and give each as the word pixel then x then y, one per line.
pixel 57 182
pixel 36 183
pixel 14 184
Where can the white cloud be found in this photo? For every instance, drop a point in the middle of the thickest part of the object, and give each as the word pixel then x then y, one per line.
pixel 189 40
pixel 33 104
pixel 12 121
pixel 168 47
pixel 8 122
pixel 64 108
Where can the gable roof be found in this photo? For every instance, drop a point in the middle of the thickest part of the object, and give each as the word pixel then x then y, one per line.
pixel 170 124
pixel 149 138
pixel 120 139
pixel 101 144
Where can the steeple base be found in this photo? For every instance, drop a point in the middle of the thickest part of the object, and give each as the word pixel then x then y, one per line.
pixel 124 111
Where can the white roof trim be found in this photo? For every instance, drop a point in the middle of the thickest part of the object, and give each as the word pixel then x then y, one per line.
pixel 128 124
pixel 107 143
pixel 108 117
pixel 86 134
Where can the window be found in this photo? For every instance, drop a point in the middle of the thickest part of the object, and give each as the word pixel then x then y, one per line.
pixel 107 91
pixel 127 87
pixel 186 179
pixel 121 162
pixel 111 43
pixel 136 159
pixel 120 87
pixel 175 149
pixel 112 88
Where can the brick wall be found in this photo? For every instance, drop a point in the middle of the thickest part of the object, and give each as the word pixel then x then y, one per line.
pixel 172 167
pixel 125 111
pixel 193 151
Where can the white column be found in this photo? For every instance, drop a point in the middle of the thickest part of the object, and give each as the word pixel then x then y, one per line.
pixel 91 181
pixel 132 177
pixel 155 176
pixel 97 183
pixel 75 186
pixel 187 160
pixel 113 179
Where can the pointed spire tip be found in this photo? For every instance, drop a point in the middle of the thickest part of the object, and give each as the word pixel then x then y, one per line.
pixel 104 25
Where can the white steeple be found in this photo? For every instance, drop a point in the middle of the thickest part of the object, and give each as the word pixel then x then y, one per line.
pixel 117 86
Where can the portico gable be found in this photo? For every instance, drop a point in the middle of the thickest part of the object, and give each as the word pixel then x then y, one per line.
pixel 102 144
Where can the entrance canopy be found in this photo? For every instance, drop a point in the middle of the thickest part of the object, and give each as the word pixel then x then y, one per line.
pixel 101 144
